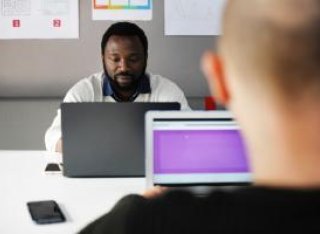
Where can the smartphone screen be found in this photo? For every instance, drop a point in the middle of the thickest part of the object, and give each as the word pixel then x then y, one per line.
pixel 43 212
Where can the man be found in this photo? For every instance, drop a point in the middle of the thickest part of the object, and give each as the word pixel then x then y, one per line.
pixel 268 73
pixel 124 53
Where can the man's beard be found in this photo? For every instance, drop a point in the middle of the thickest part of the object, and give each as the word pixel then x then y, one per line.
pixel 130 86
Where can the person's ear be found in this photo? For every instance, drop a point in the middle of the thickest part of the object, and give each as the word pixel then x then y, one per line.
pixel 213 69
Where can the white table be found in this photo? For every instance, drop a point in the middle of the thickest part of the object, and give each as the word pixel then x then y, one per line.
pixel 22 179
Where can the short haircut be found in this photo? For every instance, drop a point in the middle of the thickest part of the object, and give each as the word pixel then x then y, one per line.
pixel 275 42
pixel 125 29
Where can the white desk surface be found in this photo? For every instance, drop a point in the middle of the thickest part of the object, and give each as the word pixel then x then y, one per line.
pixel 22 179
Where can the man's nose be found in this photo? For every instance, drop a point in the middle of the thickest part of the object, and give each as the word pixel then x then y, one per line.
pixel 123 65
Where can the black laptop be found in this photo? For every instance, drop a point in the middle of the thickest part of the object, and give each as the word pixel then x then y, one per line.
pixel 105 139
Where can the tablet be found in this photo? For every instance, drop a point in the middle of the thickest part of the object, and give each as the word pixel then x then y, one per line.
pixel 195 148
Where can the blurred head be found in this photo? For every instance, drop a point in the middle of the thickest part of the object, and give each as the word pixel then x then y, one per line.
pixel 269 49
pixel 124 49
pixel 267 71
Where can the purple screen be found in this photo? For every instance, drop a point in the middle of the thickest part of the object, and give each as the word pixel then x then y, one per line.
pixel 199 151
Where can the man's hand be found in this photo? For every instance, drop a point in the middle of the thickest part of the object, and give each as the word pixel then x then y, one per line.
pixel 154 192
pixel 59 146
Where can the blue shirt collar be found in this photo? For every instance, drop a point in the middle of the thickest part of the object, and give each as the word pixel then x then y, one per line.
pixel 143 87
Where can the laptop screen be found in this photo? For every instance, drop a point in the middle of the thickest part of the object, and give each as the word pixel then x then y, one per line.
pixel 198 151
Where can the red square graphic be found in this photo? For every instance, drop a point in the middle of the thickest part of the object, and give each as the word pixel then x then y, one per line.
pixel 56 23
pixel 16 23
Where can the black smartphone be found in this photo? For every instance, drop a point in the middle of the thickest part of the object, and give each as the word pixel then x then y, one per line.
pixel 43 212
pixel 52 168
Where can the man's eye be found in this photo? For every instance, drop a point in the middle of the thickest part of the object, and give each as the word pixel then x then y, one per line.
pixel 134 59
pixel 115 60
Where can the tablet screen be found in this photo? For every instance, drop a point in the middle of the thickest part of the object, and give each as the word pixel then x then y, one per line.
pixel 198 152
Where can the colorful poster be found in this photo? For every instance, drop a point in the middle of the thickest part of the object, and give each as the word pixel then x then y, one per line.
pixel 39 19
pixel 193 17
pixel 121 10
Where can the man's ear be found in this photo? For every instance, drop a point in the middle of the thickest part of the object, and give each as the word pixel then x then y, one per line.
pixel 213 68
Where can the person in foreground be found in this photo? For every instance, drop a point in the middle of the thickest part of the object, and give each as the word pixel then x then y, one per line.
pixel 124 53
pixel 267 71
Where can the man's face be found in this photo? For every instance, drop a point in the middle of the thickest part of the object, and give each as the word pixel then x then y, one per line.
pixel 124 61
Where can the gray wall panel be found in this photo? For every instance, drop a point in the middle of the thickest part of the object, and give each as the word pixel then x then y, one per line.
pixel 23 122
